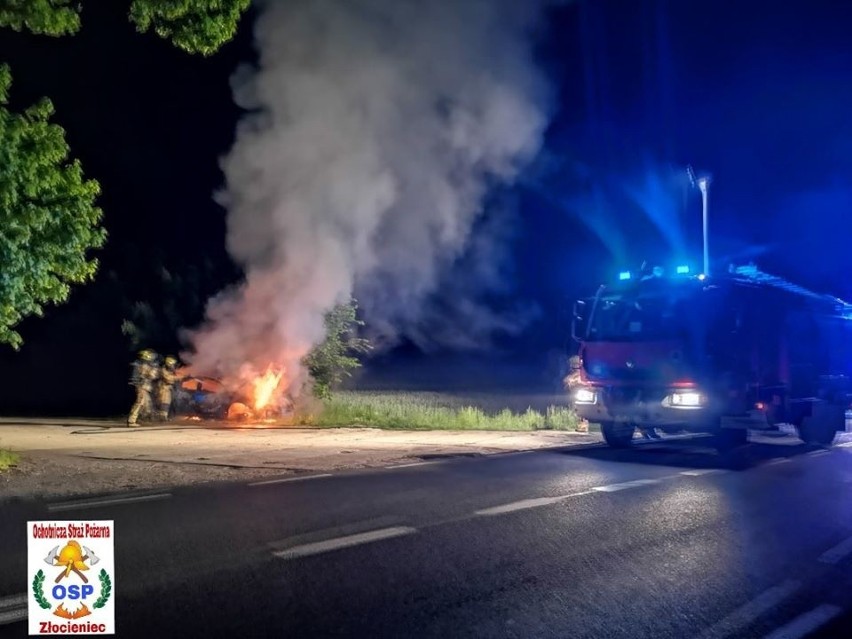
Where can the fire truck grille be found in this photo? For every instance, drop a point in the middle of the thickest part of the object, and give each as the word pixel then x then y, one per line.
pixel 617 396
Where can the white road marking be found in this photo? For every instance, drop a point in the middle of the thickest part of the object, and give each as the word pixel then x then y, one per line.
pixel 703 471
pixel 805 624
pixel 844 445
pixel 837 553
pixel 348 541
pixel 423 463
pixel 14 601
pixel 114 501
pixel 527 503
pixel 778 460
pixel 623 486
pixel 286 480
pixel 11 616
pixel 748 612
pixel 524 504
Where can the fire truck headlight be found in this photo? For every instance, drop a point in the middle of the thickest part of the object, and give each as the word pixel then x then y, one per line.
pixel 585 396
pixel 685 399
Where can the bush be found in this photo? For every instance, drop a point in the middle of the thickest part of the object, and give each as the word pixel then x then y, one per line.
pixel 332 360
pixel 8 459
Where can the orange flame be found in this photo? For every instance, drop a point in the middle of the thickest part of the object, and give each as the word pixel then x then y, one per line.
pixel 265 386
pixel 82 611
pixel 238 410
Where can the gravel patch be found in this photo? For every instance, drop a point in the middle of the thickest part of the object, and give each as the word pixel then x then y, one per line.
pixel 45 476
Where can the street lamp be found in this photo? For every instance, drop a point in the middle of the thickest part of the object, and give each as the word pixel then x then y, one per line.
pixel 704 187
pixel 703 184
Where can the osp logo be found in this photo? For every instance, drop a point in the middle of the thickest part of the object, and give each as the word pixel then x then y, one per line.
pixel 72 559
pixel 71 581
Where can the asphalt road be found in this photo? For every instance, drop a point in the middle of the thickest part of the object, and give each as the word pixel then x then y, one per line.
pixel 668 540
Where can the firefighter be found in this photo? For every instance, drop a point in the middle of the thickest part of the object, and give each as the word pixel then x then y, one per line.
pixel 145 373
pixel 571 382
pixel 165 387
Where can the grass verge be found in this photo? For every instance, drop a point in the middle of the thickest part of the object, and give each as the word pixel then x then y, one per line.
pixel 8 459
pixel 413 411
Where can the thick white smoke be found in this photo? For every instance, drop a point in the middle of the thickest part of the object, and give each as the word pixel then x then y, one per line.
pixel 376 128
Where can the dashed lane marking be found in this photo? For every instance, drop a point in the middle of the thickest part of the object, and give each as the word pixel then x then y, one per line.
pixel 13 609
pixel 817 453
pixel 805 624
pixel 287 480
pixel 748 612
pixel 625 485
pixel 13 601
pixel 837 553
pixel 112 501
pixel 703 471
pixel 13 616
pixel 527 503
pixel 778 460
pixel 319 547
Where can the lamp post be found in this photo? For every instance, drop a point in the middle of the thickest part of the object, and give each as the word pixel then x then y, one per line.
pixel 704 187
pixel 703 184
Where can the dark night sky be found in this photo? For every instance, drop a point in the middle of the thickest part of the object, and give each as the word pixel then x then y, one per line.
pixel 758 93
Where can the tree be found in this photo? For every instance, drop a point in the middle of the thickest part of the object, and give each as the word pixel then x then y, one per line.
pixel 332 360
pixel 196 26
pixel 44 17
pixel 178 299
pixel 48 218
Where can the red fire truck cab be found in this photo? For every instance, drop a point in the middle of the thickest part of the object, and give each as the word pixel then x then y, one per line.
pixel 723 354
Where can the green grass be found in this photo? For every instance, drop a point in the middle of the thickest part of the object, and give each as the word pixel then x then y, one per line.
pixel 8 459
pixel 432 411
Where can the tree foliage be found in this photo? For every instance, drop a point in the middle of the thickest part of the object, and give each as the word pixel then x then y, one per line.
pixel 48 218
pixel 44 17
pixel 196 26
pixel 332 360
pixel 178 299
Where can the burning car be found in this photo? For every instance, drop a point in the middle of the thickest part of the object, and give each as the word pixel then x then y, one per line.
pixel 202 397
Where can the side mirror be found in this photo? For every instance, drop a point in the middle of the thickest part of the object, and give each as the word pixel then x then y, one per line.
pixel 578 321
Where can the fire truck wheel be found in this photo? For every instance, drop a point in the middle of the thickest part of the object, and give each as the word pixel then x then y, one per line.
pixel 816 433
pixel 730 438
pixel 618 435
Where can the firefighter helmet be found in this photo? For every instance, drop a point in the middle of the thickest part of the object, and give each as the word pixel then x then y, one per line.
pixel 170 361
pixel 147 355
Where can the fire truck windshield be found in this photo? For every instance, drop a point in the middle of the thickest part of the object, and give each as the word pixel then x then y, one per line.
pixel 642 315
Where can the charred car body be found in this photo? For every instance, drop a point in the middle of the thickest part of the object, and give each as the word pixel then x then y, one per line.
pixel 203 397
pixel 744 350
pixel 208 398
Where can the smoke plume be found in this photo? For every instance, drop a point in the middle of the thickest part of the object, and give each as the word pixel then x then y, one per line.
pixel 375 130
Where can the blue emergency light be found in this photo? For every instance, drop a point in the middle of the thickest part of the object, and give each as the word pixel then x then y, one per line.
pixel 624 275
pixel 683 269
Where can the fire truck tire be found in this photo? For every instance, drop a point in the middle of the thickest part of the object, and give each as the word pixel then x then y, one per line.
pixel 730 438
pixel 819 434
pixel 618 435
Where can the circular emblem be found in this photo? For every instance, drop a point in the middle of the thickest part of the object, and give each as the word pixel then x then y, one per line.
pixel 71 584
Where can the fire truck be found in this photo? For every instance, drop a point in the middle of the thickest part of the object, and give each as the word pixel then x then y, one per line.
pixel 743 350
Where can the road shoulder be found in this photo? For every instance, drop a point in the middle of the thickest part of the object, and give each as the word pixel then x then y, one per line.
pixel 79 458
